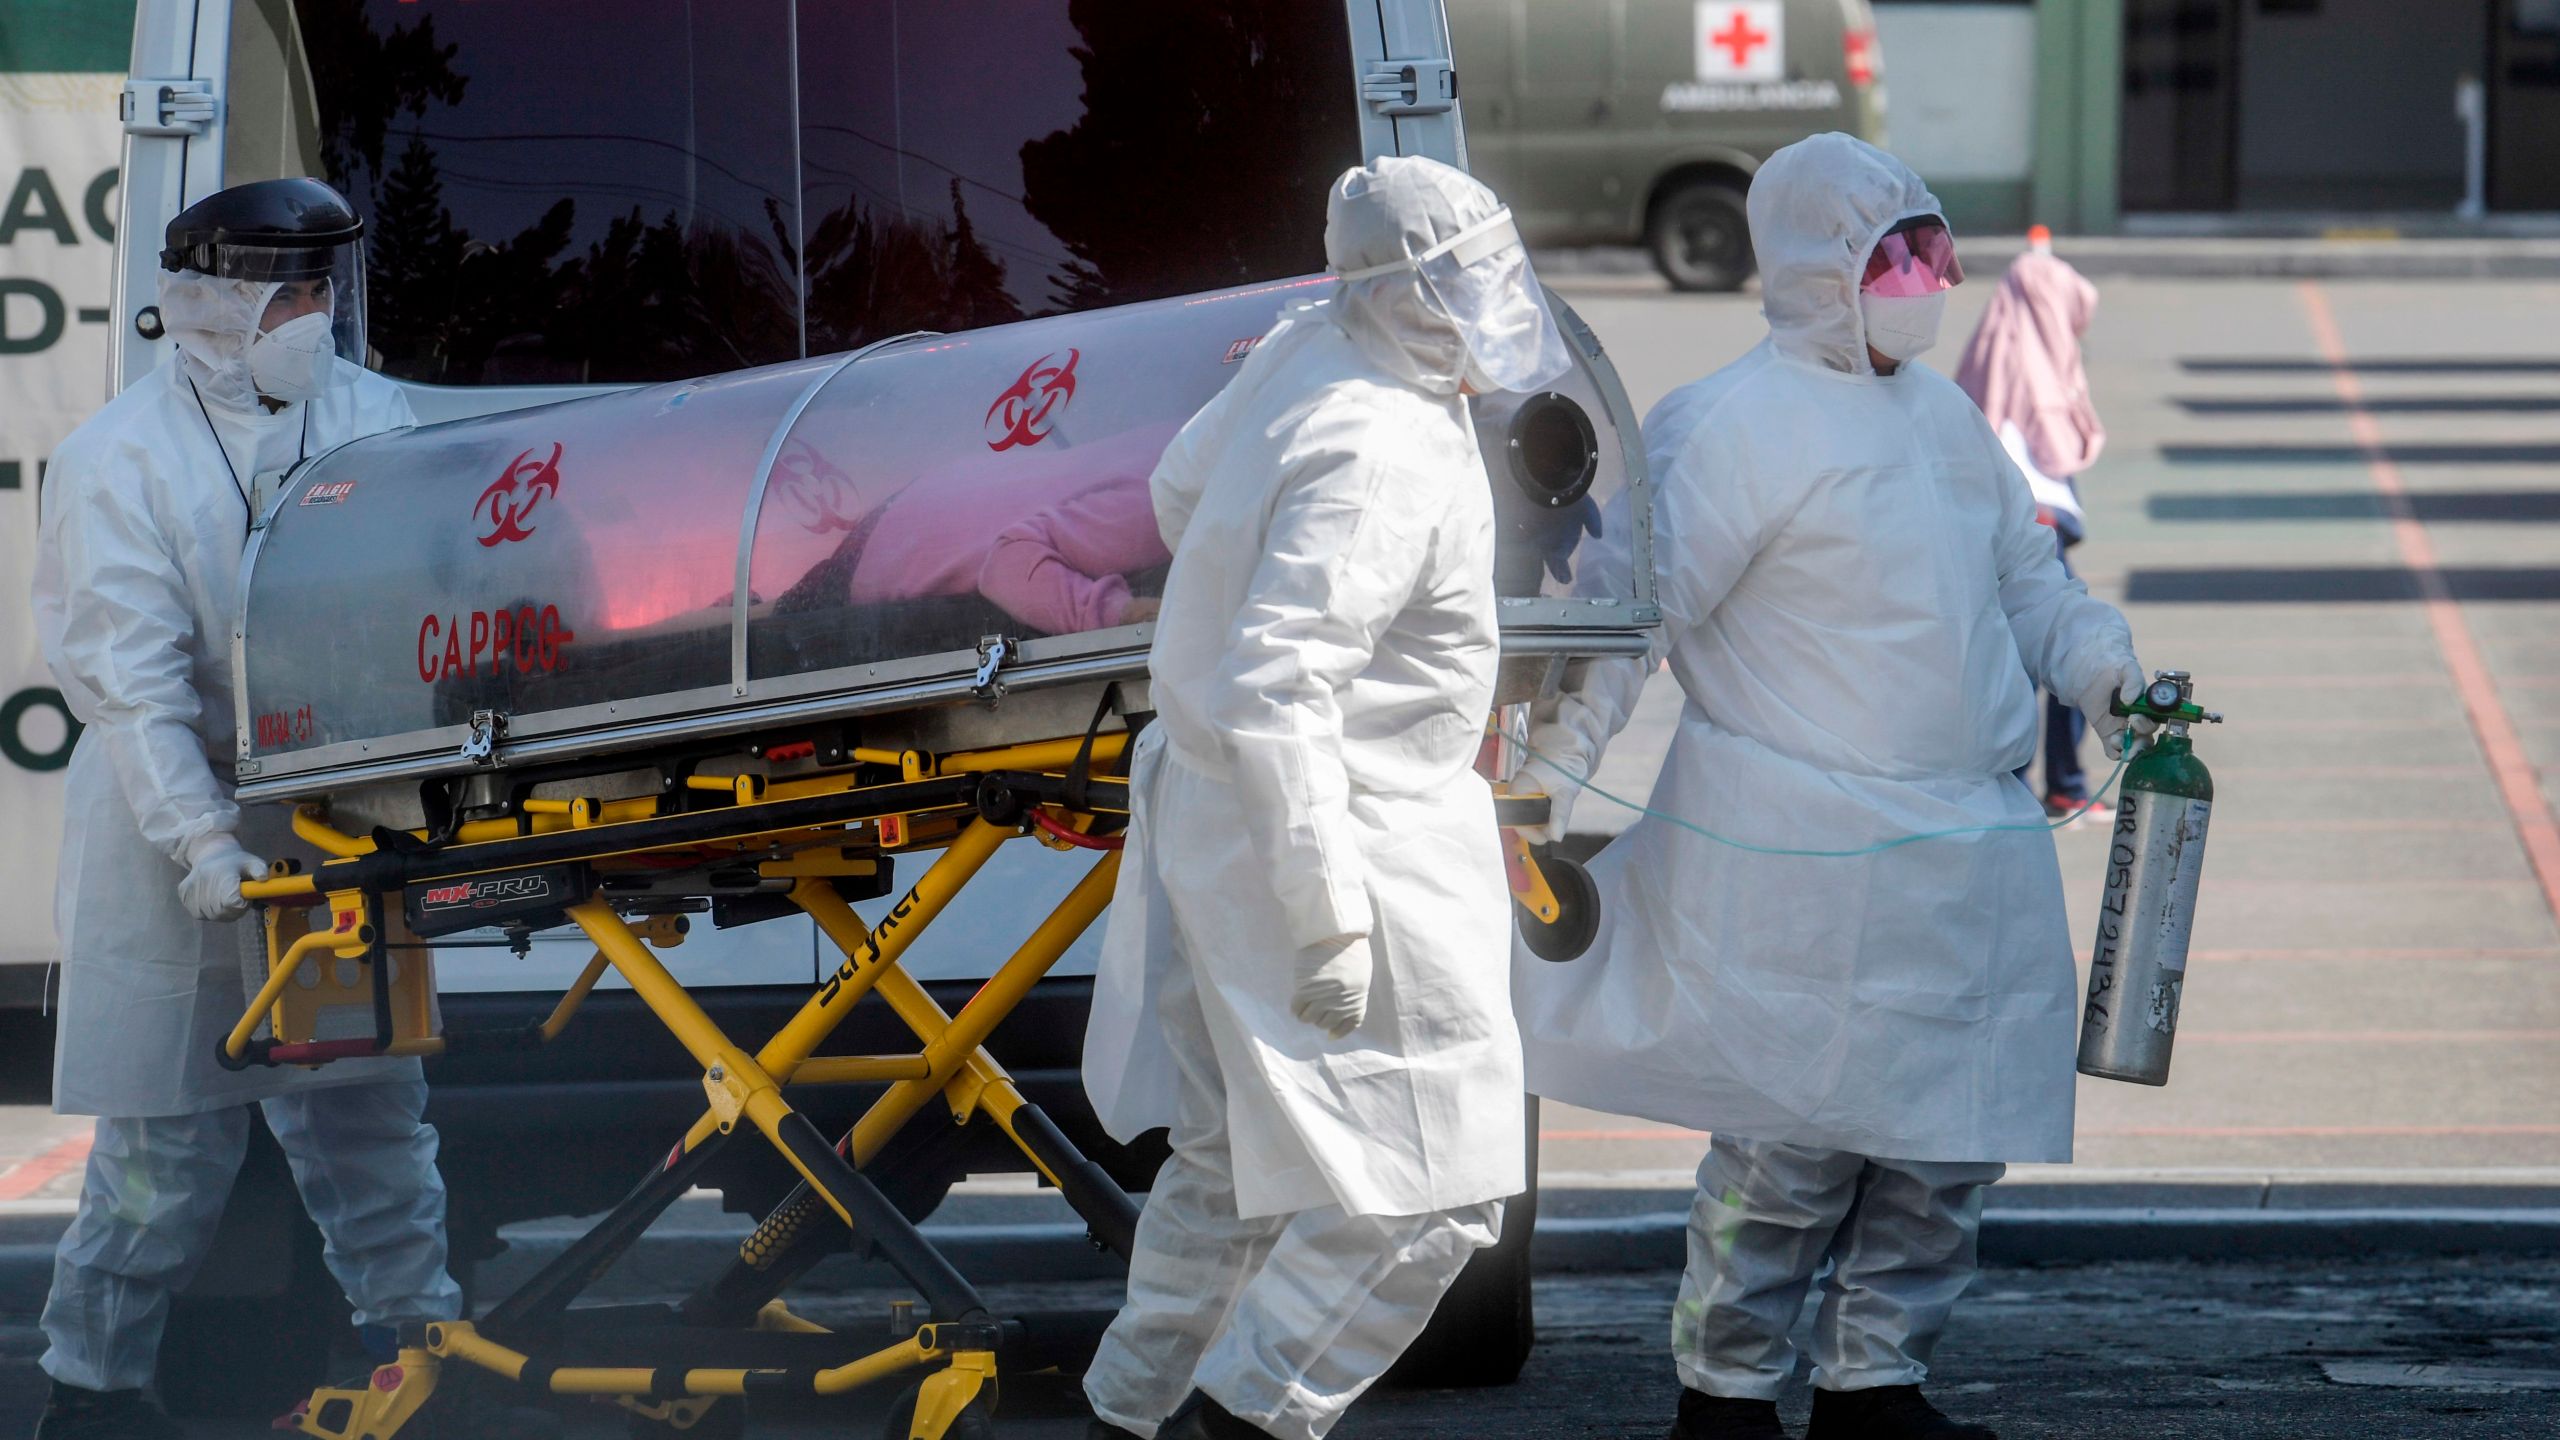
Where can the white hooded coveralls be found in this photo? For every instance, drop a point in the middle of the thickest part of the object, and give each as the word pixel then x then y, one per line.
pixel 1858 605
pixel 136 593
pixel 1322 671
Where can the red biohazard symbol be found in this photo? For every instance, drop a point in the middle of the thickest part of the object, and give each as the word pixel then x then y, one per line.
pixel 812 487
pixel 512 498
pixel 1023 414
pixel 1740 39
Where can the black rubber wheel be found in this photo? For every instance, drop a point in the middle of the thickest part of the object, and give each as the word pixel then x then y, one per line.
pixel 1577 922
pixel 726 1420
pixel 1487 1324
pixel 978 1422
pixel 1700 236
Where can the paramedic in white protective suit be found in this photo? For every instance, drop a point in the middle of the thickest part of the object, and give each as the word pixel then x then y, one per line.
pixel 1858 605
pixel 1304 974
pixel 146 511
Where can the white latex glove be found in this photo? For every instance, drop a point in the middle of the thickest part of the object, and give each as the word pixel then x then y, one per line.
pixel 1539 775
pixel 1332 993
pixel 2125 682
pixel 211 890
pixel 1552 747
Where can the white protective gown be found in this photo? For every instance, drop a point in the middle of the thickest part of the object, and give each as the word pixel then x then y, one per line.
pixel 137 589
pixel 1322 671
pixel 1858 605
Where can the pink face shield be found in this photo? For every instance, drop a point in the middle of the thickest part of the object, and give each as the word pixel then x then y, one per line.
pixel 1917 257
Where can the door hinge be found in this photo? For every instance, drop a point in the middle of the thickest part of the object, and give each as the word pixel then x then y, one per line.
pixel 487 727
pixel 168 107
pixel 1411 87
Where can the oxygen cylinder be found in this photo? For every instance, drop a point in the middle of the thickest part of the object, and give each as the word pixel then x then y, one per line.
pixel 2155 860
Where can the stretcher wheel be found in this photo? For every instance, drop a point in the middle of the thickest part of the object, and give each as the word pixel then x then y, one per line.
pixel 724 1421
pixel 1577 920
pixel 978 1422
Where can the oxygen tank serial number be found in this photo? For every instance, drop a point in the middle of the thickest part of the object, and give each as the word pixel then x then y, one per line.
pixel 526 639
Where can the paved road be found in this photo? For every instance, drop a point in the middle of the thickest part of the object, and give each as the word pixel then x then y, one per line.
pixel 2450 1351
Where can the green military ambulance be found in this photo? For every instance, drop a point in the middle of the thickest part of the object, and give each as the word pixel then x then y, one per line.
pixel 1621 121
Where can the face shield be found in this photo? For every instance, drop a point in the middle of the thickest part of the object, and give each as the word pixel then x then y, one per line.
pixel 1915 258
pixel 1480 278
pixel 300 281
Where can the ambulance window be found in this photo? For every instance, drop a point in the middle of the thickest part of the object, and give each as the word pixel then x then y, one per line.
pixel 594 191
pixel 271 121
pixel 564 191
pixel 969 162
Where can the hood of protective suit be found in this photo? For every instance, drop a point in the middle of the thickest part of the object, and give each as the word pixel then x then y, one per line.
pixel 1817 209
pixel 1401 205
pixel 213 319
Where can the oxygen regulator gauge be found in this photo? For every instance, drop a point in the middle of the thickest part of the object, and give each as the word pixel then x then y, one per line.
pixel 2166 693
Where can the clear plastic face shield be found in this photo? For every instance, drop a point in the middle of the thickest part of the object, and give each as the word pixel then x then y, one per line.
pixel 1480 278
pixel 307 280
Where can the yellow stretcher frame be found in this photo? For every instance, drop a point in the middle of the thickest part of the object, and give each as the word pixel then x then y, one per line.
pixel 809 830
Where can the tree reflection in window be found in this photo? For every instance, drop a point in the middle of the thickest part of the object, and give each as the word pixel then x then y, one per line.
pixel 594 191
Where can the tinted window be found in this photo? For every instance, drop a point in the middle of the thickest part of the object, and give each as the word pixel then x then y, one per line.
pixel 564 191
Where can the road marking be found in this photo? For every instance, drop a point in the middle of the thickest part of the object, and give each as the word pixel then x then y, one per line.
pixel 2226 827
pixel 2347 772
pixel 2509 765
pixel 28 1176
pixel 2537 955
pixel 2167 1132
pixel 2361 887
pixel 2427 680
pixel 2317 1132
pixel 2369 1037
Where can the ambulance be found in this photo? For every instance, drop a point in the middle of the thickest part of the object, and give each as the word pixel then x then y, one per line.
pixel 1617 122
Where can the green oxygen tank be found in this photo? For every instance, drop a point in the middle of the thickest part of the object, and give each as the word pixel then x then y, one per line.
pixel 2155 862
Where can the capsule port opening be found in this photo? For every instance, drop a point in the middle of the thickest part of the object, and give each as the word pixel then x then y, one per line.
pixel 1555 451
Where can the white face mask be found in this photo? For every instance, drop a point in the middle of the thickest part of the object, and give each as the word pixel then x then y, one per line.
pixel 1902 327
pixel 295 360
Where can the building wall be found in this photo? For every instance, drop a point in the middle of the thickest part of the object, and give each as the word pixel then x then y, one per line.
pixel 2348 104
pixel 1960 87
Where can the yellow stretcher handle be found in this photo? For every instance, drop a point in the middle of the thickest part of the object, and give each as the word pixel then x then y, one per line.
pixel 281 887
pixel 236 1043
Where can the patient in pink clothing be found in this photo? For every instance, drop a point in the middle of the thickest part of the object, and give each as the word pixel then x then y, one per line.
pixel 1054 553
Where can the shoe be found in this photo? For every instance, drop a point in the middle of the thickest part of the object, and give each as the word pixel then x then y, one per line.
pixel 1887 1412
pixel 1201 1418
pixel 1720 1417
pixel 2085 812
pixel 71 1413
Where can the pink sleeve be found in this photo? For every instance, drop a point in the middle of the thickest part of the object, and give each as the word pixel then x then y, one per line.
pixel 1063 568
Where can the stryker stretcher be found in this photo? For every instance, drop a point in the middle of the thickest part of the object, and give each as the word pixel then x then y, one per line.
pixel 735 644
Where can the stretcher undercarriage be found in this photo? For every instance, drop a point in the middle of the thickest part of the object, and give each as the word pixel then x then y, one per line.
pixel 658 664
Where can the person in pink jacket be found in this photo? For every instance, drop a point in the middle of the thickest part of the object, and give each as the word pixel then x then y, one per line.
pixel 2023 368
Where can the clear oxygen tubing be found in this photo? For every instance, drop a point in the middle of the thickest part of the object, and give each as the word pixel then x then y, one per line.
pixel 1584 782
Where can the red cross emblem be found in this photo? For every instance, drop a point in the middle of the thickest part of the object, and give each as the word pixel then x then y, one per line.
pixel 1739 39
